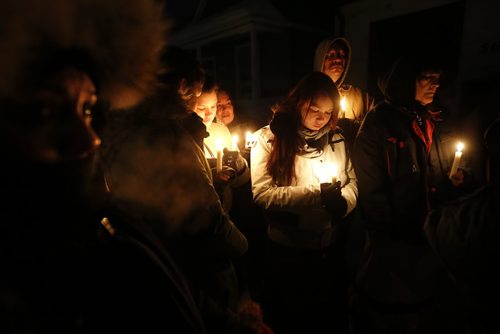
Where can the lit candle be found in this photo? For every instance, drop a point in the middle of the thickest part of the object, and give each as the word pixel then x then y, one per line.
pixel 456 160
pixel 343 107
pixel 249 140
pixel 235 143
pixel 218 146
pixel 327 173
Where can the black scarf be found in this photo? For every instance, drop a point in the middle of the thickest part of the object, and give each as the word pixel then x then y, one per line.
pixel 313 142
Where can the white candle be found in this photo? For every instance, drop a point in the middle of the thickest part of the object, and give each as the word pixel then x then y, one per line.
pixel 218 146
pixel 235 143
pixel 456 160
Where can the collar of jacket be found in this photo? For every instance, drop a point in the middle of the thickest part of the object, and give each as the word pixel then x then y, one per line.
pixel 417 110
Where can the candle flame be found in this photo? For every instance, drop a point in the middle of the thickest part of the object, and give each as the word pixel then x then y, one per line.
pixel 343 104
pixel 460 147
pixel 328 172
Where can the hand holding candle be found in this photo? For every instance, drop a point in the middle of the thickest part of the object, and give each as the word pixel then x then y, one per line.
pixel 456 160
pixel 331 193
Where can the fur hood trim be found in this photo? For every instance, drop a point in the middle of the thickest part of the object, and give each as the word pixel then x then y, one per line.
pixel 122 39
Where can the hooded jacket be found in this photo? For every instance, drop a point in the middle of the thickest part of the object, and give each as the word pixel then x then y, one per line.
pixel 402 171
pixel 358 102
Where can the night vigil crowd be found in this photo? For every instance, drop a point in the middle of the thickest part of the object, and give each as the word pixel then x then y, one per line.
pixel 128 206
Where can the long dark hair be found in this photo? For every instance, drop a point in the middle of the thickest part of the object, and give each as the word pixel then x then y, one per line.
pixel 287 121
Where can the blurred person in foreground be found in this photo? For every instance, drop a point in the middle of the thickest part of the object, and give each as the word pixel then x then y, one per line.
pixel 157 173
pixel 68 268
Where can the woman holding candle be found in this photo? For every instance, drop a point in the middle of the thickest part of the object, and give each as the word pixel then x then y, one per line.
pixel 238 123
pixel 220 140
pixel 402 159
pixel 306 290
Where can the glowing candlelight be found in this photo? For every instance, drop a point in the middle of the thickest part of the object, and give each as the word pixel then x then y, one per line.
pixel 218 146
pixel 456 160
pixel 327 173
pixel 235 143
pixel 343 106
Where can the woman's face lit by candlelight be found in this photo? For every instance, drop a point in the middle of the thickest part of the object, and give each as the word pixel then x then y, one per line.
pixel 225 110
pixel 318 113
pixel 206 107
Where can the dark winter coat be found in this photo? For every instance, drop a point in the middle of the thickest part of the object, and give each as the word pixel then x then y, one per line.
pixel 403 171
pixel 401 156
pixel 63 272
pixel 154 165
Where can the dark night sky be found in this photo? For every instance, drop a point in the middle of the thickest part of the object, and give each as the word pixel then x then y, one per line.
pixel 318 13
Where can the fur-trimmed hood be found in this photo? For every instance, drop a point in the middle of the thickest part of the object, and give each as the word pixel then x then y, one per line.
pixel 320 54
pixel 121 39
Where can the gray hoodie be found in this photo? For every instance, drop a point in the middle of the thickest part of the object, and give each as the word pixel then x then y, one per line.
pixel 358 102
pixel 321 51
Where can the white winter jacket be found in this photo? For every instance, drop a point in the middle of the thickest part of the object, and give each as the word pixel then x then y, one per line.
pixel 296 214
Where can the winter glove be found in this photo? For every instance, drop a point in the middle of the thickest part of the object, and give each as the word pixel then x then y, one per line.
pixel 331 196
pixel 235 160
pixel 457 179
pixel 226 175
